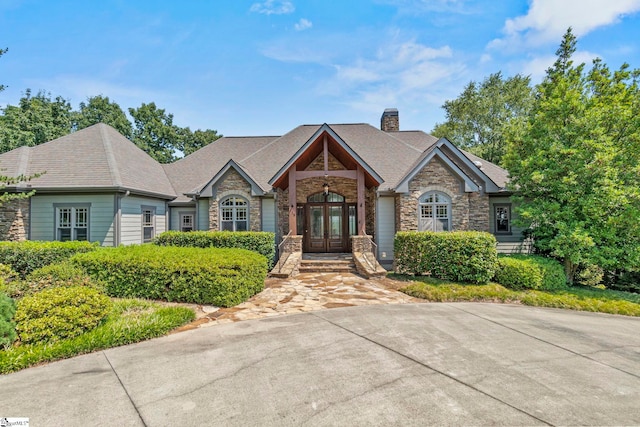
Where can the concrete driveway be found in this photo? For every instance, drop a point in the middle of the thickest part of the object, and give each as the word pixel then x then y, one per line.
pixel 409 364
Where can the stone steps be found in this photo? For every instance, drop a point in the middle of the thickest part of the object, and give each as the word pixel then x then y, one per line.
pixel 327 266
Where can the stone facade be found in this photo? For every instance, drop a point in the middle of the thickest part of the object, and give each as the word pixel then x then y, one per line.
pixel 469 211
pixel 234 184
pixel 14 220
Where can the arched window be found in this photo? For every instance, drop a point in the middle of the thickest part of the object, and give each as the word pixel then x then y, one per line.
pixel 234 214
pixel 329 197
pixel 434 212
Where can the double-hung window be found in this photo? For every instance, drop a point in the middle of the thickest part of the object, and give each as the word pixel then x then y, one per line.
pixel 186 222
pixel 148 223
pixel 434 212
pixel 234 214
pixel 72 222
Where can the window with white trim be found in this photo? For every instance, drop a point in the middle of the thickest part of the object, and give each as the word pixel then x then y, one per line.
pixel 502 215
pixel 72 223
pixel 434 212
pixel 148 223
pixel 234 214
pixel 186 221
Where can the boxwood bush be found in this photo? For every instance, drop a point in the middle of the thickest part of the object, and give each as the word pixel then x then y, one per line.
pixel 7 325
pixel 60 313
pixel 530 272
pixel 463 256
pixel 222 277
pixel 24 257
pixel 257 241
pixel 63 274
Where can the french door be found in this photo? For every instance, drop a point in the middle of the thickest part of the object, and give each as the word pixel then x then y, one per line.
pixel 328 226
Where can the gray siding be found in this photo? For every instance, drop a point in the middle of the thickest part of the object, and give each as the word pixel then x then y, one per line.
pixel 203 214
pixel 176 212
pixel 507 243
pixel 268 215
pixel 386 229
pixel 131 218
pixel 101 216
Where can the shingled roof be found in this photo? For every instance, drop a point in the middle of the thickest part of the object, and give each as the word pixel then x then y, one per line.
pixel 99 158
pixel 91 159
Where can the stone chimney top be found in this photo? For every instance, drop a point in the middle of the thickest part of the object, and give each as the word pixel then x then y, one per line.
pixel 390 120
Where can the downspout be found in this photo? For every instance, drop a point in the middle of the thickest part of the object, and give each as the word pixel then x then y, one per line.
pixel 196 222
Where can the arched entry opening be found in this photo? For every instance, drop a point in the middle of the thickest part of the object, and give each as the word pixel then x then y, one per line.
pixel 326 223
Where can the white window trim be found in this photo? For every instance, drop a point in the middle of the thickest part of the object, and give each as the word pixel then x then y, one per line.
pixel 73 226
pixel 181 216
pixel 234 211
pixel 143 225
pixel 434 206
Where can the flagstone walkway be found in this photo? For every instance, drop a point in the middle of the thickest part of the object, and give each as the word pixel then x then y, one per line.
pixel 306 292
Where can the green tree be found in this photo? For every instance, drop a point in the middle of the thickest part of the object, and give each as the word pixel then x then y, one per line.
pixel 35 120
pixel 485 113
pixel 576 165
pixel 188 141
pixel 99 109
pixel 154 132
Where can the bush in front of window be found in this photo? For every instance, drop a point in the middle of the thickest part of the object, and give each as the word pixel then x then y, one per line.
pixel 530 272
pixel 60 313
pixel 219 276
pixel 24 257
pixel 463 256
pixel 261 242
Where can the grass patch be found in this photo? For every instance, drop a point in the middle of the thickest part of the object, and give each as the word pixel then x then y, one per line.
pixel 130 321
pixel 573 298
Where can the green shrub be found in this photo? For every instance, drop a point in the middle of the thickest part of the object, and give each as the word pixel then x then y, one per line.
pixel 223 277
pixel 626 281
pixel 464 256
pixel 24 257
pixel 260 242
pixel 518 274
pixel 64 274
pixel 7 275
pixel 60 313
pixel 589 275
pixel 7 325
pixel 530 272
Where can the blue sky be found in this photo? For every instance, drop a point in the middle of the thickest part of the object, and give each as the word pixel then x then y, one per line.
pixel 263 67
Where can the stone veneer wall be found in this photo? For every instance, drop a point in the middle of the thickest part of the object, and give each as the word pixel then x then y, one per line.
pixel 234 184
pixel 470 211
pixel 14 220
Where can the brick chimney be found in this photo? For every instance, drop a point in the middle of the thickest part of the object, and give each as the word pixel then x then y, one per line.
pixel 390 121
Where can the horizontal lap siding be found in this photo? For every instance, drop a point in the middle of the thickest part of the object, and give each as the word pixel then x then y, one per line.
pixel 203 214
pixel 268 215
pixel 131 218
pixel 101 216
pixel 386 227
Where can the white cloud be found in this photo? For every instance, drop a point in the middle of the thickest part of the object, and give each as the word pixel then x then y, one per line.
pixel 273 7
pixel 547 20
pixel 303 24
pixel 405 73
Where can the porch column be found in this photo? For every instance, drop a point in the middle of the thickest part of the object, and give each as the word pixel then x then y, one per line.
pixel 361 202
pixel 293 225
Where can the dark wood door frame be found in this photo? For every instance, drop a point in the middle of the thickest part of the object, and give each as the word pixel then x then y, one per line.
pixel 326 243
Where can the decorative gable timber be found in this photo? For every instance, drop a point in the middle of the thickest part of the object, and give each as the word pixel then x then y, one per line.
pixel 209 188
pixel 325 128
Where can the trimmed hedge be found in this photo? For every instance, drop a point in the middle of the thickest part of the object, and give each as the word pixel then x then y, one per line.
pixel 222 277
pixel 24 257
pixel 63 274
pixel 530 272
pixel 463 256
pixel 7 325
pixel 60 313
pixel 261 242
